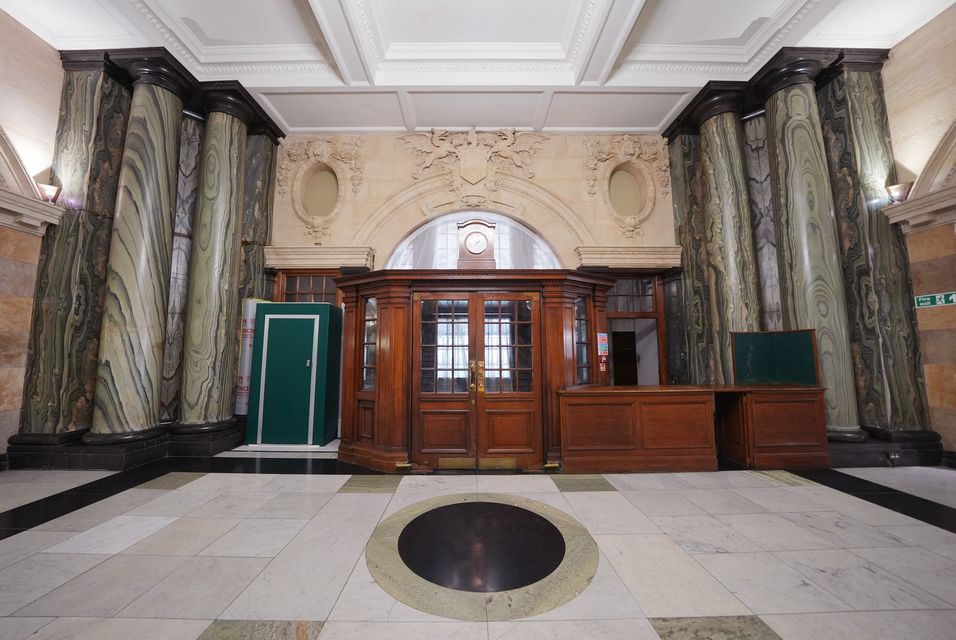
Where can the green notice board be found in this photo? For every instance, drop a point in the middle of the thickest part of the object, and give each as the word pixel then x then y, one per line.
pixel 775 357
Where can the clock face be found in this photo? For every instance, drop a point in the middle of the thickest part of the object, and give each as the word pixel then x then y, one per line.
pixel 476 242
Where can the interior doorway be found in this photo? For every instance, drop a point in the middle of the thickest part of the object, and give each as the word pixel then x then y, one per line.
pixel 476 380
pixel 634 354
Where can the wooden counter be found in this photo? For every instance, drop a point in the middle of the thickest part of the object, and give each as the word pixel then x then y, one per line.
pixel 682 428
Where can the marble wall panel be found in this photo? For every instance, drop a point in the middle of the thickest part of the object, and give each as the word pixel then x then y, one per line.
pixel 210 350
pixel 190 146
pixel 133 335
pixel 258 195
pixel 684 151
pixel 808 252
pixel 731 264
pixel 71 274
pixel 886 355
pixel 675 331
pixel 757 160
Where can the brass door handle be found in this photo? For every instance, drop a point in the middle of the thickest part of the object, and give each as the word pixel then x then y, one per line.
pixel 471 376
pixel 481 376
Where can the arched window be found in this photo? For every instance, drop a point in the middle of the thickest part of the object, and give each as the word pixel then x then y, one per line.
pixel 434 245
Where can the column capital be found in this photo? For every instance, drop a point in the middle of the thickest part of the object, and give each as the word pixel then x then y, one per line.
pixel 785 70
pixel 229 96
pixel 156 66
pixel 714 98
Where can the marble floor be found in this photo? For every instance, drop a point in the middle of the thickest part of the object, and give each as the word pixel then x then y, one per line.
pixel 734 554
pixel 932 483
pixel 18 487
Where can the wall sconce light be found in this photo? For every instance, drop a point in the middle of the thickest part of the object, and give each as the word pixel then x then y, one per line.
pixel 899 192
pixel 49 192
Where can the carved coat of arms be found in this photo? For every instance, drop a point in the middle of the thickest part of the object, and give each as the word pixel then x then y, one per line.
pixel 473 158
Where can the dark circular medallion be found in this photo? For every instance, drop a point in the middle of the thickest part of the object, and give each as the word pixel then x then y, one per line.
pixel 481 546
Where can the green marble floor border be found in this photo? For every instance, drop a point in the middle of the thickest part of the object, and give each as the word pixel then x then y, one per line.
pixel 172 480
pixel 262 630
pixel 572 576
pixel 713 628
pixel 581 482
pixel 371 484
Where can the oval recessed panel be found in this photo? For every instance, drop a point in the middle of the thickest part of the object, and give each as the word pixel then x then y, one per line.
pixel 627 192
pixel 320 191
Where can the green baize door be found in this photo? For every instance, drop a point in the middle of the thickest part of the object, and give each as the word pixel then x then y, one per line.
pixel 289 362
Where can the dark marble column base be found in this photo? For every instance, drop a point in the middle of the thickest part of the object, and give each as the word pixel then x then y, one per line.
pixel 4 464
pixel 48 439
pixel 116 454
pixel 949 459
pixel 197 441
pixel 855 435
pixel 885 453
pixel 903 435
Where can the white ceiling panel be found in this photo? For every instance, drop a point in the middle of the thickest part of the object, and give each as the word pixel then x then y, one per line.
pixel 71 24
pixel 336 111
pixel 456 110
pixel 711 22
pixel 213 23
pixel 601 111
pixel 872 23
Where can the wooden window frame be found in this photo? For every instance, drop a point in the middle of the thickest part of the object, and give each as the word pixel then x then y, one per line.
pixel 590 344
pixel 656 314
pixel 279 293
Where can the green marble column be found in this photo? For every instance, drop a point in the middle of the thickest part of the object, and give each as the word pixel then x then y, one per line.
pixel 808 251
pixel 210 351
pixel 259 186
pixel 687 189
pixel 731 263
pixel 71 274
pixel 886 356
pixel 129 375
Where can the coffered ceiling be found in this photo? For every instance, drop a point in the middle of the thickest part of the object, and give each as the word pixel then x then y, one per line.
pixel 395 65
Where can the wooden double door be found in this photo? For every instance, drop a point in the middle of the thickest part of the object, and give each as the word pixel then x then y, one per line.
pixel 476 380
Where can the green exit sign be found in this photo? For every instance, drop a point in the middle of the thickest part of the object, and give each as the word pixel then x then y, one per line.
pixel 936 299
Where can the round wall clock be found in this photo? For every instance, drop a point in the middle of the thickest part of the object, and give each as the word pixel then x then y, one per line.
pixel 476 242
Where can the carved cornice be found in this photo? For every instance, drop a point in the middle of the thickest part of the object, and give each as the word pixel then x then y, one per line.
pixel 645 157
pixel 319 257
pixel 714 98
pixel 638 257
pixel 926 212
pixel 27 214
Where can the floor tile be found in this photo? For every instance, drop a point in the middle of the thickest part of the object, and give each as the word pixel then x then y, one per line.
pixel 662 503
pixel 841 530
pixel 233 504
pixel 230 482
pixel 300 506
pixel 371 484
pixel 185 537
pixel 572 630
pixel 704 534
pixel 858 583
pixel 336 630
pixel 919 535
pixel 22 545
pixel 172 480
pixel 726 628
pixel 105 589
pixel 255 538
pixel 174 503
pixel 908 625
pixel 27 580
pixel 199 588
pixel 921 567
pixel 120 629
pixel 297 483
pixel 861 510
pixel 515 484
pixel 767 585
pixel 581 482
pixel 647 481
pixel 936 484
pixel 322 555
pixel 726 479
pixel 781 499
pixel 112 536
pixel 20 628
pixel 363 600
pixel 666 581
pixel 606 598
pixel 604 512
pixel 76 478
pixel 721 501
pixel 99 512
pixel 261 630
pixel 438 484
pixel 774 532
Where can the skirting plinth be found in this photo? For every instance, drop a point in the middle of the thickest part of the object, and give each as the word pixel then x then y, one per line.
pixel 203 441
pixel 889 448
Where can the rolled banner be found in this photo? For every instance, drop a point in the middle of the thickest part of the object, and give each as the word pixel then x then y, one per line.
pixel 247 336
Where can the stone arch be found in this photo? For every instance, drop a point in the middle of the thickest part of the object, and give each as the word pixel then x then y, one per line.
pixel 13 175
pixel 518 198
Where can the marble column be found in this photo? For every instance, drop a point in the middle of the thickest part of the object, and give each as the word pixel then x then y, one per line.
pixel 808 252
pixel 187 187
pixel 757 158
pixel 132 339
pixel 731 266
pixel 62 350
pixel 687 186
pixel 259 187
pixel 886 355
pixel 210 351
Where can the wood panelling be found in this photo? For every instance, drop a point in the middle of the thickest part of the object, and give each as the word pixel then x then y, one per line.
pixel 597 426
pixel 510 432
pixel 677 423
pixel 445 431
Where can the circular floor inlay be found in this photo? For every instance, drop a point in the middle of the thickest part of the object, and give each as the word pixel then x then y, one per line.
pixel 513 536
pixel 481 546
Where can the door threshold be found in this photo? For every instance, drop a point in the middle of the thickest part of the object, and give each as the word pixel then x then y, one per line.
pixel 329 450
